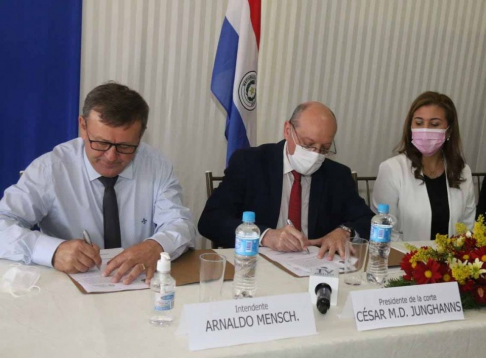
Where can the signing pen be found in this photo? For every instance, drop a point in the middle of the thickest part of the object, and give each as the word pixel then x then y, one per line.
pixel 290 223
pixel 87 240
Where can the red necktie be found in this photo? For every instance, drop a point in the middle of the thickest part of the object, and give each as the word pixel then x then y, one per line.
pixel 295 202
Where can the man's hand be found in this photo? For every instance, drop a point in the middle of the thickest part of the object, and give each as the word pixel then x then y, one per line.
pixel 285 239
pixel 134 261
pixel 332 243
pixel 75 256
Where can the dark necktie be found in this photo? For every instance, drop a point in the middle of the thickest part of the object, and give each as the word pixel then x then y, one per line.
pixel 111 220
pixel 295 202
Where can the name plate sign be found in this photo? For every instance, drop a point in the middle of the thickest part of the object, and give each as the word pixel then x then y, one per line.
pixel 406 306
pixel 228 323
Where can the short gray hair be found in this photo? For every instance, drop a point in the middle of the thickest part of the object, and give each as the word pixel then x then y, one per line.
pixel 294 119
pixel 297 112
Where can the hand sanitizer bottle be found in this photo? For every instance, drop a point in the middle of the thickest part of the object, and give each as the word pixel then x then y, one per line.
pixel 163 286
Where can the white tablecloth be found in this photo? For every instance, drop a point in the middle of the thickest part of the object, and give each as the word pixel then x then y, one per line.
pixel 63 322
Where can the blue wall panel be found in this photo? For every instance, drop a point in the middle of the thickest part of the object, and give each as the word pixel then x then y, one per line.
pixel 40 52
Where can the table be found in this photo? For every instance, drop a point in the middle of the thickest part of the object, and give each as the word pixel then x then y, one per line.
pixel 62 322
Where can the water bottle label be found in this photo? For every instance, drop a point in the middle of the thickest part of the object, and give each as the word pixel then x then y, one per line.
pixel 164 301
pixel 246 246
pixel 380 233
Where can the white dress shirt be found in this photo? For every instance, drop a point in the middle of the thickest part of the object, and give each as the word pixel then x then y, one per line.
pixel 288 180
pixel 60 192
pixel 408 199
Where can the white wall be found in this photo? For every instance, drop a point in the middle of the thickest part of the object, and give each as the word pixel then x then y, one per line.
pixel 366 59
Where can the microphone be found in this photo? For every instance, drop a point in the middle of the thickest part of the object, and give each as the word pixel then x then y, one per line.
pixel 323 293
pixel 324 287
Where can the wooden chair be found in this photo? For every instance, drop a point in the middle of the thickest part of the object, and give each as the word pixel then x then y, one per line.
pixel 368 191
pixel 355 178
pixel 477 177
pixel 210 180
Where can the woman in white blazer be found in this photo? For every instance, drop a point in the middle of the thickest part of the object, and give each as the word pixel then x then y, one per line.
pixel 428 186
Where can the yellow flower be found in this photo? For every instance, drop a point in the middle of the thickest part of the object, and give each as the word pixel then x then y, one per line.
pixel 459 242
pixel 460 271
pixel 480 219
pixel 480 231
pixel 410 247
pixel 423 255
pixel 461 228
pixel 446 277
pixel 476 268
pixel 442 242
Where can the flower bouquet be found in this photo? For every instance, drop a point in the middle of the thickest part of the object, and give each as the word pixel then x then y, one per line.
pixel 460 258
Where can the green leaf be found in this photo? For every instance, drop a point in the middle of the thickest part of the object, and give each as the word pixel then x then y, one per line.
pixel 399 282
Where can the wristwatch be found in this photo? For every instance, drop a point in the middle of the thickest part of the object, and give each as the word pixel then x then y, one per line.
pixel 348 229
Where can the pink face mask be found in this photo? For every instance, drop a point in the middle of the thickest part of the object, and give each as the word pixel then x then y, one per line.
pixel 428 141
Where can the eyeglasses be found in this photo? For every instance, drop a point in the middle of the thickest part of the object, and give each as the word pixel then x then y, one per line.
pixel 325 151
pixel 102 146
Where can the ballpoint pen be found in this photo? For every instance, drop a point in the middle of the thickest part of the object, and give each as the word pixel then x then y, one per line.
pixel 87 239
pixel 290 223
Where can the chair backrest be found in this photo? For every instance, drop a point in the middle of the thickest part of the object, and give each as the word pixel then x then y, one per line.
pixel 478 179
pixel 210 179
pixel 355 178
pixel 367 180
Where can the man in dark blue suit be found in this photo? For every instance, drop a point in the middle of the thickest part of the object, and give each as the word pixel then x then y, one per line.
pixel 291 179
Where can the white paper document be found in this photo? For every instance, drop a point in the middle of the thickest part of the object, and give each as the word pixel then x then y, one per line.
pixel 301 263
pixel 92 281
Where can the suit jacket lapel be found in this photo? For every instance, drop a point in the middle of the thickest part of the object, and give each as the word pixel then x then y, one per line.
pixel 275 173
pixel 318 187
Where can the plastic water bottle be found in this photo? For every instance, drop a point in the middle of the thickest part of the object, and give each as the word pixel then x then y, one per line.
pixel 246 252
pixel 379 247
pixel 163 286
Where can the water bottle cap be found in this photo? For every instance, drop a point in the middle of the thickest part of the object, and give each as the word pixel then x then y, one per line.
pixel 248 217
pixel 383 208
pixel 163 265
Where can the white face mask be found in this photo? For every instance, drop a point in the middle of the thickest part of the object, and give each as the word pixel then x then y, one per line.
pixel 20 281
pixel 304 161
